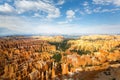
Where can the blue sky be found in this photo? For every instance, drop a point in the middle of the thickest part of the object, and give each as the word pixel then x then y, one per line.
pixel 59 16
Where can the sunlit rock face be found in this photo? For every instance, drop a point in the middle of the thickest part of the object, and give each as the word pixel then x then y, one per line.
pixel 87 58
pixel 74 59
pixel 22 58
pixel 94 37
pixel 95 43
pixel 50 38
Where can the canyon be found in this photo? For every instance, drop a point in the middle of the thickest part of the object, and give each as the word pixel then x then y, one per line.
pixel 91 57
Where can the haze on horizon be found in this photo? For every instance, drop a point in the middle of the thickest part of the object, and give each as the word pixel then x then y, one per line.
pixel 59 16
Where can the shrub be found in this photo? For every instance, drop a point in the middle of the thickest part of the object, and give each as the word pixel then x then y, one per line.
pixel 57 57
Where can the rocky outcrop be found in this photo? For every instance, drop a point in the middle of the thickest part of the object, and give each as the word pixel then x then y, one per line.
pixel 34 59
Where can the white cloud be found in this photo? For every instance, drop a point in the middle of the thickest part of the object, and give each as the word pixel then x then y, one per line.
pixel 9 0
pixel 70 15
pixel 117 2
pixel 103 2
pixel 6 8
pixel 22 25
pixel 100 10
pixel 88 11
pixel 85 3
pixel 81 12
pixel 63 22
pixel 60 2
pixel 110 10
pixel 54 14
pixel 37 15
pixel 87 8
pixel 13 23
pixel 25 5
pixel 106 28
pixel 107 2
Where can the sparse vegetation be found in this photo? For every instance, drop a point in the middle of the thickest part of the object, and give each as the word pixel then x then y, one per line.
pixel 34 59
pixel 57 57
pixel 61 45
